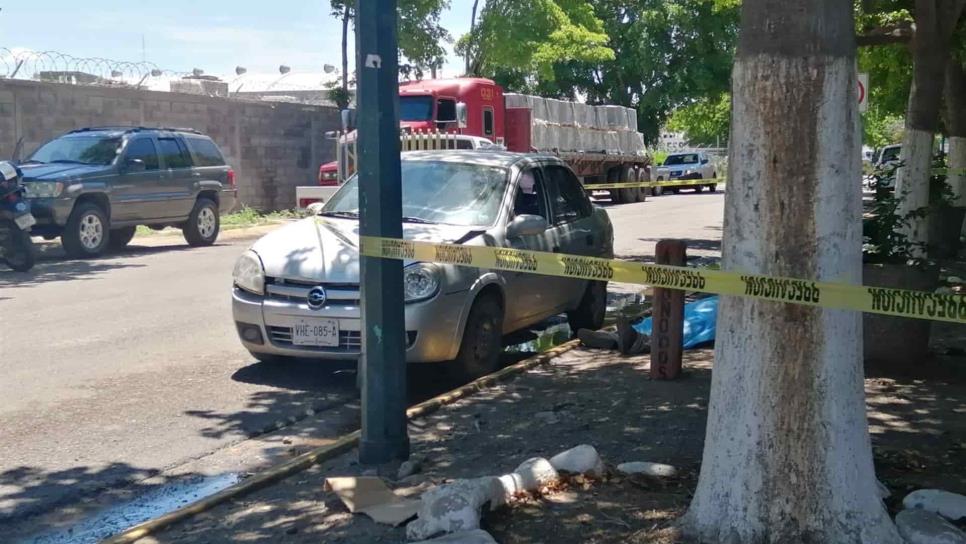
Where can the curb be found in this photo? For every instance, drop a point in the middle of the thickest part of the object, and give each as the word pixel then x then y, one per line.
pixel 324 453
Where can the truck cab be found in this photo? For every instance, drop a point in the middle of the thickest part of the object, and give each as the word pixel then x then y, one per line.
pixel 435 105
pixel 431 105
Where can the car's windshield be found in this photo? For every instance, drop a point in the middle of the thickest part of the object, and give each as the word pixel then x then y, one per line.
pixel 689 158
pixel 415 108
pixel 437 192
pixel 95 149
pixel 890 154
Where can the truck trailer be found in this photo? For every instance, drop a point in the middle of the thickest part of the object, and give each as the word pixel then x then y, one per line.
pixel 600 143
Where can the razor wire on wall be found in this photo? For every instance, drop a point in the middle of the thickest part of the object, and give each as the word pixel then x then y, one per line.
pixel 63 68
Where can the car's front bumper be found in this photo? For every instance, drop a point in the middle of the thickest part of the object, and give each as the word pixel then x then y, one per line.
pixel 433 328
pixel 51 211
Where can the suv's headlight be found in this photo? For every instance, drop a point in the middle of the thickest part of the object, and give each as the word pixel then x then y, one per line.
pixel 43 189
pixel 249 273
pixel 420 281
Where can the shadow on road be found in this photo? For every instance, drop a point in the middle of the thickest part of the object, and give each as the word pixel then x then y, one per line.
pixel 57 271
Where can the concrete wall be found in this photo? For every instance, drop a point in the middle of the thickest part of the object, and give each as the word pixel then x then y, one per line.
pixel 273 147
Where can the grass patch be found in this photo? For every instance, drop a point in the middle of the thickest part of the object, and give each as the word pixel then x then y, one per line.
pixel 246 217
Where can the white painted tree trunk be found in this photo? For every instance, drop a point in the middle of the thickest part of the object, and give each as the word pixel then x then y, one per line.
pixel 957 168
pixel 912 184
pixel 787 455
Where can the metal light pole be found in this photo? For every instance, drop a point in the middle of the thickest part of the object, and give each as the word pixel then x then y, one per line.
pixel 383 365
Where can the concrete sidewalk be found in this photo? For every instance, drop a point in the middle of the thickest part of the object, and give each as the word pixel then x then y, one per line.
pixel 583 396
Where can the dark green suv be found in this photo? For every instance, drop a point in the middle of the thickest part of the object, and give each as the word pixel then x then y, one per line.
pixel 94 186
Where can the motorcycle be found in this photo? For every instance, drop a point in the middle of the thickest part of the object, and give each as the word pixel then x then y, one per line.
pixel 16 247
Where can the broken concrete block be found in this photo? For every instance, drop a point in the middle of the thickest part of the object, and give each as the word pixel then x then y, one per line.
pixel 535 473
pixel 476 536
pixel 951 506
pixel 452 507
pixel 922 527
pixel 650 469
pixel 582 459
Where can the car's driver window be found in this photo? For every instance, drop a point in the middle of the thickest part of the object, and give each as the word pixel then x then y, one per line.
pixel 529 199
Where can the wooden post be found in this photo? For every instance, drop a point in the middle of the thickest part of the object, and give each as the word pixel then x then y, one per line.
pixel 668 317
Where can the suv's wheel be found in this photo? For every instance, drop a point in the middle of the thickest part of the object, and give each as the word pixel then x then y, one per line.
pixel 202 226
pixel 592 309
pixel 121 237
pixel 86 233
pixel 20 256
pixel 482 340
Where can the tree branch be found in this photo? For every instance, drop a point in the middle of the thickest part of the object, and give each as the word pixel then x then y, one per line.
pixel 897 33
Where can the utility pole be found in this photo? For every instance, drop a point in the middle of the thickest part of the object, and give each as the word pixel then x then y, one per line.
pixel 383 363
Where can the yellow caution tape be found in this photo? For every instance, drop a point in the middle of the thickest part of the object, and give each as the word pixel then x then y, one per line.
pixel 896 302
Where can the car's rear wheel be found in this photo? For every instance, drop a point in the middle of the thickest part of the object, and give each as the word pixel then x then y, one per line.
pixel 86 233
pixel 592 309
pixel 203 224
pixel 482 341
pixel 20 254
pixel 120 238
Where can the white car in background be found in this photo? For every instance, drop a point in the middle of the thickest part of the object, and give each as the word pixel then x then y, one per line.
pixel 695 166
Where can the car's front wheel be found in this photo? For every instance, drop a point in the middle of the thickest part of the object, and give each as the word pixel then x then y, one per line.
pixel 86 233
pixel 482 343
pixel 592 309
pixel 203 224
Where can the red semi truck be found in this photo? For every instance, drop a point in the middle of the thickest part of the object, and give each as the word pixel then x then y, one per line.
pixel 477 107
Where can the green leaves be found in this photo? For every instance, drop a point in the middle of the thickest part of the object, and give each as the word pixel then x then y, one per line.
pixel 706 121
pixel 532 35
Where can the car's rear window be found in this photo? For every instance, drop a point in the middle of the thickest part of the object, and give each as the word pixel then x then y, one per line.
pixel 204 152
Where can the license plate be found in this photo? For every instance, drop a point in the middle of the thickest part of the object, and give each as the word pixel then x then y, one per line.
pixel 315 332
pixel 25 221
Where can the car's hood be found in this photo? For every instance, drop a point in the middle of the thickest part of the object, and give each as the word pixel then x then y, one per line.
pixel 61 171
pixel 326 249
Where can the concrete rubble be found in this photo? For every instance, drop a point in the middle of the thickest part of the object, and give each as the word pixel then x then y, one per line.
pixel 456 507
pixel 582 459
pixel 922 527
pixel 453 507
pixel 951 506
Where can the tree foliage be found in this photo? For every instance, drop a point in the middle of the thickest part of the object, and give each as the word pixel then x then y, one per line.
pixel 665 55
pixel 530 36
pixel 421 36
pixel 706 122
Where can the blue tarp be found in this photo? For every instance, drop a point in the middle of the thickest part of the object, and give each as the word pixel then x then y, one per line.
pixel 700 317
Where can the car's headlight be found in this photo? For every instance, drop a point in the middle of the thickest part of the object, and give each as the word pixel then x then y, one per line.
pixel 43 189
pixel 420 281
pixel 249 273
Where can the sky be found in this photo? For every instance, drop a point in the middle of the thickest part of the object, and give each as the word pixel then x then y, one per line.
pixel 213 35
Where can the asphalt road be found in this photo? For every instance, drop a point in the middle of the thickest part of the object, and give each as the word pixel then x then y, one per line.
pixel 117 369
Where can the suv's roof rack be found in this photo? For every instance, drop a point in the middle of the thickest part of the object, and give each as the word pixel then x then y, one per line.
pixel 135 129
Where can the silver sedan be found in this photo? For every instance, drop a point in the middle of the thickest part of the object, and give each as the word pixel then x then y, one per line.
pixel 296 291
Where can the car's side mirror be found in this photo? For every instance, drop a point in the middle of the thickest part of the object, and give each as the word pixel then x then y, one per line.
pixel 462 115
pixel 705 161
pixel 134 165
pixel 526 225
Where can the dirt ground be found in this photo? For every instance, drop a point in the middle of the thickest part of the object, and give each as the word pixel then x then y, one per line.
pixel 595 397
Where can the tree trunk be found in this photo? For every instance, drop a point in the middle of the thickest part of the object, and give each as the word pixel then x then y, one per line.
pixel 469 47
pixel 935 22
pixel 345 50
pixel 787 455
pixel 956 124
